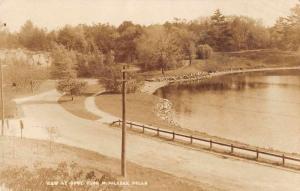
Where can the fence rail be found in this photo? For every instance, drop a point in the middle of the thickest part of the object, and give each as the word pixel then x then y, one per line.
pixel 191 139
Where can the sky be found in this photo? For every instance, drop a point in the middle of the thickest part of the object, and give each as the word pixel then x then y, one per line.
pixel 51 14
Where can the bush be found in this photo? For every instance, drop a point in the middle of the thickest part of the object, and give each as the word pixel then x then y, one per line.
pixel 112 77
pixel 60 178
pixel 24 77
pixel 204 51
pixel 71 86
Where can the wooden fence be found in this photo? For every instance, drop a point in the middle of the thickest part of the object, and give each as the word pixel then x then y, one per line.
pixel 259 155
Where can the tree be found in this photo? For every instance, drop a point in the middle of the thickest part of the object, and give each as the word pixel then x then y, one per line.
pixel 73 38
pixel 126 41
pixel 186 40
pixel 71 86
pixel 219 32
pixel 204 51
pixel 285 33
pixel 29 78
pixel 102 37
pixel 158 48
pixel 112 76
pixel 32 37
pixel 64 62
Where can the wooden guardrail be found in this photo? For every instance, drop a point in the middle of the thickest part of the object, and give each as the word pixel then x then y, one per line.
pixel 258 154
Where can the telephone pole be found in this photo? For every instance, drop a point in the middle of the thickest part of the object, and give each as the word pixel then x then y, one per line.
pixel 2 100
pixel 2 96
pixel 123 152
pixel 123 155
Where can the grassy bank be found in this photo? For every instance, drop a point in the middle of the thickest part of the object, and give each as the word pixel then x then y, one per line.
pixel 221 61
pixel 10 93
pixel 77 107
pixel 36 157
pixel 139 107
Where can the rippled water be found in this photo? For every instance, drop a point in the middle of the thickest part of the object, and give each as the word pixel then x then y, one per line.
pixel 261 109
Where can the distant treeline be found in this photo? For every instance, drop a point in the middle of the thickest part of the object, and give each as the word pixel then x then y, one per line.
pixel 89 49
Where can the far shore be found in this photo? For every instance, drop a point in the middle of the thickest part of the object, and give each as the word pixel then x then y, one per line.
pixel 151 87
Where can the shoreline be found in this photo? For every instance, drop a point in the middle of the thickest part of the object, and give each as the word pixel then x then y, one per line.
pixel 151 87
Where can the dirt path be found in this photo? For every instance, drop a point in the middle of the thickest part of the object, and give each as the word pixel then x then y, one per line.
pixel 90 105
pixel 231 174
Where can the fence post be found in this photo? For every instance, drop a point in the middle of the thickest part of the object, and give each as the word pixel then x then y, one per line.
pixel 257 154
pixel 283 160
pixel 7 123
pixel 173 138
pixel 157 131
pixel 21 128
pixel 191 139
pixel 143 129
pixel 231 149
pixel 210 144
pixel 119 122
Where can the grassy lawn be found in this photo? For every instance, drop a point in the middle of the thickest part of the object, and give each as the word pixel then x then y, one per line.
pixel 139 107
pixel 11 93
pixel 16 153
pixel 77 107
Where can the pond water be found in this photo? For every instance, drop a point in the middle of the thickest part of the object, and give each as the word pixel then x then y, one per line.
pixel 260 109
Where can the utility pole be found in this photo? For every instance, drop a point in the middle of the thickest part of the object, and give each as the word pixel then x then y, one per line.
pixel 2 100
pixel 2 96
pixel 123 155
pixel 123 152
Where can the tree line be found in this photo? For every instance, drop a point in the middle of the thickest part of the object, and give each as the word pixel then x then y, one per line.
pixel 93 50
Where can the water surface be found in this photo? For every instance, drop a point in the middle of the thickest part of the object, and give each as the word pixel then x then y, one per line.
pixel 261 109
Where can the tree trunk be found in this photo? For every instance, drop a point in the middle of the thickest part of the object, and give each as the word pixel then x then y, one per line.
pixel 190 59
pixel 162 70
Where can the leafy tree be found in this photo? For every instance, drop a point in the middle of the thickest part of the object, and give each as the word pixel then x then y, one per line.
pixel 186 40
pixel 285 33
pixel 204 51
pixel 102 37
pixel 71 86
pixel 64 62
pixel 73 38
pixel 112 76
pixel 126 42
pixel 32 37
pixel 158 48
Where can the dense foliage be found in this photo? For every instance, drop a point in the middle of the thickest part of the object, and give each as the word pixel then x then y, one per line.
pixel 64 177
pixel 88 50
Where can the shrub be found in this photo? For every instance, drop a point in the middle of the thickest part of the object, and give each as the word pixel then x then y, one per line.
pixel 112 77
pixel 71 86
pixel 204 51
pixel 60 178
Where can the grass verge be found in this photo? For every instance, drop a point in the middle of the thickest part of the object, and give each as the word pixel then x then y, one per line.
pixel 17 153
pixel 139 107
pixel 10 93
pixel 77 106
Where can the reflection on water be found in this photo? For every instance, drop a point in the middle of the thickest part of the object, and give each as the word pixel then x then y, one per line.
pixel 261 109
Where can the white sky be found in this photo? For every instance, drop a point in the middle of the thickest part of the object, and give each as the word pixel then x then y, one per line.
pixel 56 13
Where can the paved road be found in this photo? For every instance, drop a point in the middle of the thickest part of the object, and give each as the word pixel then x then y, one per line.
pixel 230 174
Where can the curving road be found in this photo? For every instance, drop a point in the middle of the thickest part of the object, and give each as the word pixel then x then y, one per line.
pixel 230 174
